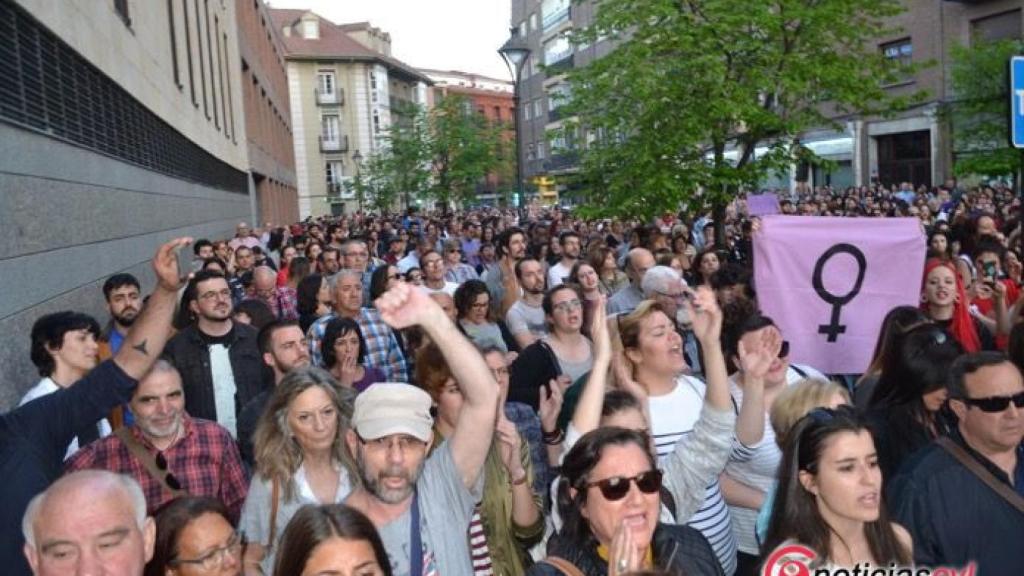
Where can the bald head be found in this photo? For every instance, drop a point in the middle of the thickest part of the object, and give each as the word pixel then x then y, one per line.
pixel 446 302
pixel 264 278
pixel 87 519
pixel 637 263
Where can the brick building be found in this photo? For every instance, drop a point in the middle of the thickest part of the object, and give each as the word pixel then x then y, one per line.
pixel 268 120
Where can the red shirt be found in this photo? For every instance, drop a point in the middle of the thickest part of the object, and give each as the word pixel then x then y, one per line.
pixel 205 461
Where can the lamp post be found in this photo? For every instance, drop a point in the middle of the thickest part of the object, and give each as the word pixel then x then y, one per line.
pixel 358 159
pixel 515 51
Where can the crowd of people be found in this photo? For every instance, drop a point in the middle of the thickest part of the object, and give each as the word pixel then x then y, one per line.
pixel 496 392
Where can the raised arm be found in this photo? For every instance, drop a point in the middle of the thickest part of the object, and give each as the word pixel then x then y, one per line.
pixel 707 327
pixel 403 306
pixel 587 416
pixel 152 329
pixel 750 422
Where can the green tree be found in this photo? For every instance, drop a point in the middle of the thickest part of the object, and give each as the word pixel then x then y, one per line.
pixel 400 168
pixel 464 148
pixel 673 114
pixel 978 113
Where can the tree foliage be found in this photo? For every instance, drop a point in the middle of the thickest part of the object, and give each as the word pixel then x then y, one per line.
pixel 674 113
pixel 979 113
pixel 464 147
pixel 400 168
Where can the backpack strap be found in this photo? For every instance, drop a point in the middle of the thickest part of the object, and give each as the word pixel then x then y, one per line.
pixel 563 565
pixel 969 462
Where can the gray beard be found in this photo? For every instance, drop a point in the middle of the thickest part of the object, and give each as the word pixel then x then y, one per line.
pixel 373 485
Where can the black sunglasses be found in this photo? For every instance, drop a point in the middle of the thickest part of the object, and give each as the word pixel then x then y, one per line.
pixel 996 403
pixel 161 463
pixel 616 487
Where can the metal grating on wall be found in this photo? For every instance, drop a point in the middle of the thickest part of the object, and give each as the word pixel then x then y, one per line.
pixel 48 87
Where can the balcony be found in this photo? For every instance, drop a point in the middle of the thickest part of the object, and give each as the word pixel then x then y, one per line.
pixel 560 67
pixel 563 160
pixel 337 145
pixel 336 98
pixel 556 114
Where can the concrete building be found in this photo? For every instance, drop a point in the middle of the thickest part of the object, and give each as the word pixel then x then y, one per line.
pixel 912 146
pixel 120 127
pixel 343 84
pixel 268 121
pixel 489 97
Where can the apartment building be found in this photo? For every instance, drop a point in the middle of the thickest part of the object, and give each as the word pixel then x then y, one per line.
pixel 268 120
pixel 120 127
pixel 492 98
pixel 911 146
pixel 343 83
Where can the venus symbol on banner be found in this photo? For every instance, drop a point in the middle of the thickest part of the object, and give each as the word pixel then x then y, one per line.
pixel 833 329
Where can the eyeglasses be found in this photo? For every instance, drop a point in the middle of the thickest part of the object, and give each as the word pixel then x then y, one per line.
pixel 161 463
pixel 568 306
pixel 616 487
pixel 214 559
pixel 993 404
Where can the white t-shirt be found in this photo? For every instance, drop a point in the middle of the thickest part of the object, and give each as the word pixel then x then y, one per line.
pixel 449 288
pixel 557 274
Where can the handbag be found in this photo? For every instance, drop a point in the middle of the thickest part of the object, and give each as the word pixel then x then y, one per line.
pixel 969 462
pixel 563 565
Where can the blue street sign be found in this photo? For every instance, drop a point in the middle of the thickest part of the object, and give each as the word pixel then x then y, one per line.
pixel 1017 101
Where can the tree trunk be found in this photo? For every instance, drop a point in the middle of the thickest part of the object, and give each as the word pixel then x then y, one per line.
pixel 718 215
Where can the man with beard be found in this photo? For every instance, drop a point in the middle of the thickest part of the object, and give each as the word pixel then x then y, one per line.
pixel 501 280
pixel 525 319
pixel 168 452
pixel 419 504
pixel 284 346
pixel 124 302
pixel 570 242
pixel 218 358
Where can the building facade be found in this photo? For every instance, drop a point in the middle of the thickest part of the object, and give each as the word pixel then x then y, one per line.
pixel 120 127
pixel 912 146
pixel 268 120
pixel 493 99
pixel 343 84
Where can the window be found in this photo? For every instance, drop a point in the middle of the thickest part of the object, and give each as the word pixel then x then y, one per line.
pixel 335 171
pixel 325 83
pixel 901 55
pixel 497 113
pixel 1005 26
pixel 531 151
pixel 538 107
pixel 522 28
pixel 329 125
pixel 558 96
pixel 540 150
pixel 556 50
pixel 174 43
pixel 373 80
pixel 526 111
pixel 554 12
pixel 533 21
pixel 310 30
pixel 376 122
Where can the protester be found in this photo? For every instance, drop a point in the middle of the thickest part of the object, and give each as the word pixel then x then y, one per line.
pixel 434 274
pixel 344 355
pixel 473 303
pixel 602 260
pixel 638 261
pixel 455 270
pixel 194 536
pixel 332 539
pixel 895 325
pixel 314 300
pixel 282 299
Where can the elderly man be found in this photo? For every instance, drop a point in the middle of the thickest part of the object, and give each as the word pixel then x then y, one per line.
pixel 283 301
pixel 243 237
pixel 199 457
pixel 638 261
pixel 961 496
pixel 382 348
pixel 91 522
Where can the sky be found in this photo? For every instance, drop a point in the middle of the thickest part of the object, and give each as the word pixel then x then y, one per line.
pixel 459 35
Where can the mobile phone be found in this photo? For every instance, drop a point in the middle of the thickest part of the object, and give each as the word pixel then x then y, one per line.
pixel 990 270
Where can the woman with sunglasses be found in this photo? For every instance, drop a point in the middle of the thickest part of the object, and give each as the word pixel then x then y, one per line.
pixel 333 539
pixel 300 459
pixel 455 270
pixel 610 502
pixel 195 538
pixel 754 463
pixel 830 495
pixel 908 406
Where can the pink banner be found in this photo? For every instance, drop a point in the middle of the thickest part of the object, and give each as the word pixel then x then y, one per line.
pixel 762 204
pixel 829 282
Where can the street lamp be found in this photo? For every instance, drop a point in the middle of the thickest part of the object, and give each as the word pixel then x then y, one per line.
pixel 358 159
pixel 515 51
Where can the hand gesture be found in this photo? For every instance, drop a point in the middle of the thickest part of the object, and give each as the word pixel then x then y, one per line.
pixel 403 306
pixel 165 264
pixel 550 405
pixel 349 371
pixel 625 556
pixel 756 363
pixel 998 290
pixel 705 315
pixel 508 444
pixel 599 331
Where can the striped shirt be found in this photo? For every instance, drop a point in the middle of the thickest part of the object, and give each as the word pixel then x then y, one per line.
pixel 674 415
pixel 382 348
pixel 478 545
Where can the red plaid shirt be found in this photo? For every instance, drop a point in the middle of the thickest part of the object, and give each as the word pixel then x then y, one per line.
pixel 284 304
pixel 205 461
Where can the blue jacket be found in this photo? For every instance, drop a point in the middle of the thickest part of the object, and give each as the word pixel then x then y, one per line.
pixel 33 439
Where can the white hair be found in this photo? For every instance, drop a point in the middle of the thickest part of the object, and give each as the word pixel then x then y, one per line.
pixel 659 280
pixel 126 484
